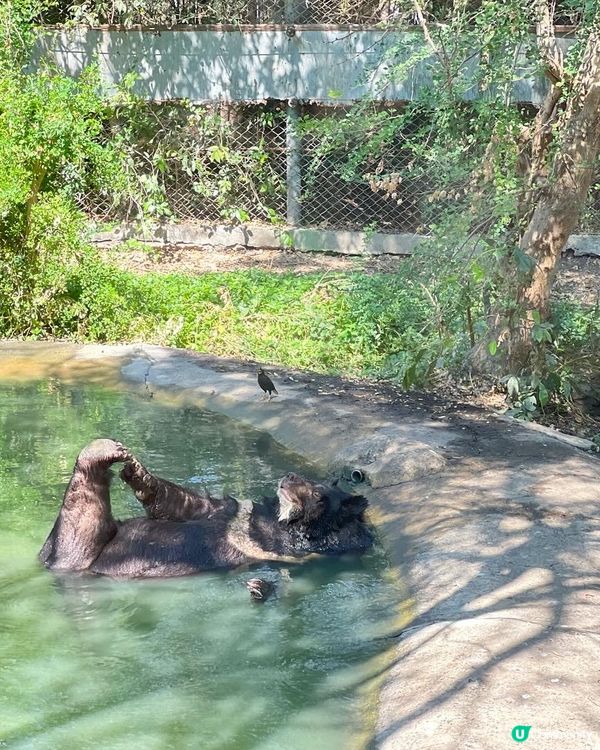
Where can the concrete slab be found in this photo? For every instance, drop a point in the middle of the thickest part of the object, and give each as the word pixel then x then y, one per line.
pixel 306 239
pixel 495 530
pixel 584 244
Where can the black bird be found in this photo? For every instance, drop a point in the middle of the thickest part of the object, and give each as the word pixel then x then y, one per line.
pixel 266 383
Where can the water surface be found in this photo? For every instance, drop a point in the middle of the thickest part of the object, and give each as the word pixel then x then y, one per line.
pixel 88 662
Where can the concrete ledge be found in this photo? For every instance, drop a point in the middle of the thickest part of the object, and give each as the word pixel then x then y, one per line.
pixel 259 235
pixel 354 243
pixel 181 234
pixel 388 458
pixel 338 241
pixel 572 440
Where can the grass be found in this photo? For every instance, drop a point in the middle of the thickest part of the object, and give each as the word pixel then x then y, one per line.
pixel 344 323
pixel 394 326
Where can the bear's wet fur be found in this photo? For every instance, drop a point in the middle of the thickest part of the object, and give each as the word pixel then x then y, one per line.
pixel 165 501
pixel 307 517
pixel 312 517
pixel 304 518
pixel 85 523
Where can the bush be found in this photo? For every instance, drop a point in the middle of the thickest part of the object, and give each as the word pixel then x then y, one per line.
pixel 50 128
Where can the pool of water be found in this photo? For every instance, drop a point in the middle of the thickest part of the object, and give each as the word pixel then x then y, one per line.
pixel 88 662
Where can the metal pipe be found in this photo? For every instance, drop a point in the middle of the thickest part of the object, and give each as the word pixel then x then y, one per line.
pixel 357 476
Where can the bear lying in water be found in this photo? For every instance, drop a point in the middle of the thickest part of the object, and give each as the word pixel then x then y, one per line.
pixel 186 532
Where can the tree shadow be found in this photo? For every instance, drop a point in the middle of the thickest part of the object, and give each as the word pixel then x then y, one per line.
pixel 496 573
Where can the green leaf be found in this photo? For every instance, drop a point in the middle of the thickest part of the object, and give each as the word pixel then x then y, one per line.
pixel 477 272
pixel 543 395
pixel 525 263
pixel 409 376
pixel 492 348
pixel 218 154
pixel 541 333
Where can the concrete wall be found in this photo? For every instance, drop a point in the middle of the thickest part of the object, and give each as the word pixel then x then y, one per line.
pixel 341 242
pixel 325 65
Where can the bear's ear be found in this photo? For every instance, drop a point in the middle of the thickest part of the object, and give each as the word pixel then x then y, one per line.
pixel 353 506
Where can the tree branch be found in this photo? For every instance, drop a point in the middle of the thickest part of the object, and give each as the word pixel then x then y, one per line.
pixel 423 24
pixel 439 51
pixel 550 52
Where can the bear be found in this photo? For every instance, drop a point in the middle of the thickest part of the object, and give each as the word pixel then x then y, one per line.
pixel 303 518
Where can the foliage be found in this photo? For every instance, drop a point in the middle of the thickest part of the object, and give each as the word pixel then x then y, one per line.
pixel 171 12
pixel 49 145
pixel 381 325
pixel 179 147
pixel 466 154
pixel 345 323
pixel 459 156
pixel 569 352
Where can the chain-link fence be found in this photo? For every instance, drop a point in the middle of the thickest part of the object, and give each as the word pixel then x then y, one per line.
pixel 222 164
pixel 234 164
pixel 230 164
pixel 195 12
pixel 347 183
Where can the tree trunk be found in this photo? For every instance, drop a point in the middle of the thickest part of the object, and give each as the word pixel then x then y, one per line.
pixel 551 206
pixel 559 202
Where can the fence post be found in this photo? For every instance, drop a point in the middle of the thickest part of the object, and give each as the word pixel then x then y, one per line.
pixel 293 155
pixel 292 14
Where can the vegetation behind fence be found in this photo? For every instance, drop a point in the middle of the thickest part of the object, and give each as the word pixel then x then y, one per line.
pixel 195 12
pixel 227 164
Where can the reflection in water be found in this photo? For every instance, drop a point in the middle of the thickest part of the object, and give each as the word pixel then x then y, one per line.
pixel 87 662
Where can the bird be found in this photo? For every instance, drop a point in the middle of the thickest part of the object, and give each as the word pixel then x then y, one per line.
pixel 259 589
pixel 266 383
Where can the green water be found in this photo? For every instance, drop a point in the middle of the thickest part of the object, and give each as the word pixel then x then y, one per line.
pixel 87 662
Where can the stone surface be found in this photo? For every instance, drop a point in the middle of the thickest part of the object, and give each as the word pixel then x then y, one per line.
pixel 354 243
pixel 314 63
pixel 256 235
pixel 204 234
pixel 305 239
pixel 387 458
pixel 584 244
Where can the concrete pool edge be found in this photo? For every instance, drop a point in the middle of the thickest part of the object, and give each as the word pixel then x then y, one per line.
pixel 485 537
